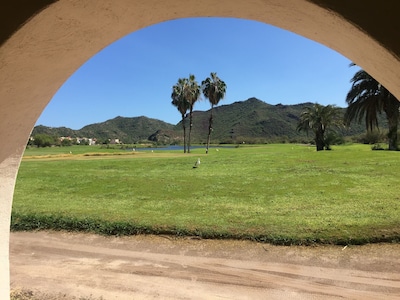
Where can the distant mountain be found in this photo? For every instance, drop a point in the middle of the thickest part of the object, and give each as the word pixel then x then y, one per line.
pixel 55 131
pixel 127 130
pixel 251 121
pixel 256 121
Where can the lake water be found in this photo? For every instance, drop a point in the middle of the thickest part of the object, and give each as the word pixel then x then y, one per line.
pixel 175 147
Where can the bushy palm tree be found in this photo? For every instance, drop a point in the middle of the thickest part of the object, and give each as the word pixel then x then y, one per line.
pixel 319 119
pixel 366 99
pixel 214 90
pixel 179 101
pixel 184 95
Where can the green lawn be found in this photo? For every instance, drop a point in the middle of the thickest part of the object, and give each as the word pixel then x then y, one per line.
pixel 287 194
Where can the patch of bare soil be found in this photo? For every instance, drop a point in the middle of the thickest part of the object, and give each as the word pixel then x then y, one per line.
pixel 85 266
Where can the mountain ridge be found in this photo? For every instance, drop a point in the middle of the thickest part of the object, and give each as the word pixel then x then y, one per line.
pixel 251 120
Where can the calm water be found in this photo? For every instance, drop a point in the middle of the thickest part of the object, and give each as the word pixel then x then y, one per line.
pixel 174 147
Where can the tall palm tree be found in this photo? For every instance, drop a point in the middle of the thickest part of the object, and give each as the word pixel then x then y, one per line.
pixel 179 101
pixel 191 94
pixel 366 98
pixel 214 90
pixel 319 119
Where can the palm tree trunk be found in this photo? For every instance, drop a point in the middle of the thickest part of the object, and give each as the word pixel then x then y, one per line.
pixel 392 116
pixel 319 140
pixel 190 127
pixel 209 129
pixel 392 134
pixel 184 133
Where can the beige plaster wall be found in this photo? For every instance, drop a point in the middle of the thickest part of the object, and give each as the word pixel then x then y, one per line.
pixel 39 57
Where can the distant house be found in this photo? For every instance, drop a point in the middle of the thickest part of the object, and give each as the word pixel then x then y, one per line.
pixel 115 141
pixel 86 141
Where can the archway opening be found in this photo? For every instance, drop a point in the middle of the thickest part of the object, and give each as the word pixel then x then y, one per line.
pixel 134 75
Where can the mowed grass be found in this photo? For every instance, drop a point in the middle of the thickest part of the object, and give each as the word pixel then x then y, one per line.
pixel 284 194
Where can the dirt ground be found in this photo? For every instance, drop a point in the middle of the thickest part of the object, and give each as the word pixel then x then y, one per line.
pixel 79 266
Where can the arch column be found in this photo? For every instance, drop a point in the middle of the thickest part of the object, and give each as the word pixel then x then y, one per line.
pixel 8 171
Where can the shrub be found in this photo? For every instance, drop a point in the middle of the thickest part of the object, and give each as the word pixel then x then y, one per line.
pixel 377 147
pixel 371 137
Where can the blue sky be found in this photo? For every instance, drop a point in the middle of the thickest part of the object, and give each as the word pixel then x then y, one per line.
pixel 134 76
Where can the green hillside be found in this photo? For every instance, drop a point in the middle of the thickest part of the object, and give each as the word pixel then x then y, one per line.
pixel 256 121
pixel 250 120
pixel 127 130
pixel 55 131
pixel 244 121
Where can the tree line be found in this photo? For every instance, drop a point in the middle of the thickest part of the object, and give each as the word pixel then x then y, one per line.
pixel 46 140
pixel 186 92
pixel 366 99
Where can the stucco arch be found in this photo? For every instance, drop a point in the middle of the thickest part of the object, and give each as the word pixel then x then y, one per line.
pixel 37 57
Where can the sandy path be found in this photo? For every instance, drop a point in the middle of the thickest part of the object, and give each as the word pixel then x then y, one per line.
pixel 152 267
